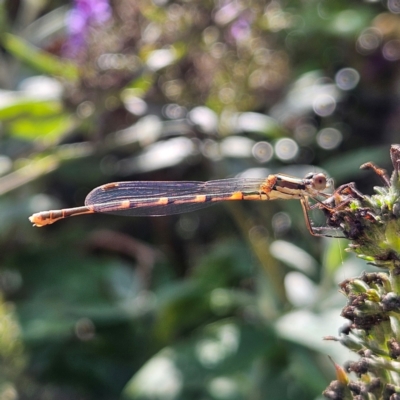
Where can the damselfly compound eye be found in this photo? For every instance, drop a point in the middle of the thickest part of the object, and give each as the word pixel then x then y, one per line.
pixel 319 181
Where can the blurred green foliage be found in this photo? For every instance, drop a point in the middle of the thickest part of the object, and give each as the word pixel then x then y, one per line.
pixel 226 303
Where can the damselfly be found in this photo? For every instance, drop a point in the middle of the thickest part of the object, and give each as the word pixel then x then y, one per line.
pixel 166 198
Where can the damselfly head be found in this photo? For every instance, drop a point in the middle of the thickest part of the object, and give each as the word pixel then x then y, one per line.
pixel 318 180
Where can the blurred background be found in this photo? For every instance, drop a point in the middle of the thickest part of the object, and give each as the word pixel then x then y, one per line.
pixel 230 302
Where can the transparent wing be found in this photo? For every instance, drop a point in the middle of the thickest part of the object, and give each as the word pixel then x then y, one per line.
pixel 143 198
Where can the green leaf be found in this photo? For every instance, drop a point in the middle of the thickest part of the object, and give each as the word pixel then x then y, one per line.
pixel 32 107
pixel 392 235
pixel 39 59
pixel 141 84
pixel 223 353
pixel 31 128
pixel 334 255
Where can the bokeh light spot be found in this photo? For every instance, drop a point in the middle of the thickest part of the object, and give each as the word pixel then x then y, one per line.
pixel 347 21
pixel 286 149
pixel 227 13
pixel 218 50
pixel 173 89
pixel 263 151
pixel 135 105
pixel 174 111
pixel 85 329
pixel 223 388
pixel 323 10
pixel 226 95
pixel 204 118
pixel 210 149
pixel 294 39
pixel 111 61
pixel 237 147
pixel 257 233
pixel 329 138
pixel 300 289
pixel 85 109
pixel 324 105
pixel 391 50
pixel 210 35
pixel 304 133
pixel 394 6
pixel 347 78
pixel 281 223
pixel 187 225
pixel 160 58
pixel 369 41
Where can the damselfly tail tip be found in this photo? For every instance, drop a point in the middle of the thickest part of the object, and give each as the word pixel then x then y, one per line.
pixel 33 219
pixel 38 220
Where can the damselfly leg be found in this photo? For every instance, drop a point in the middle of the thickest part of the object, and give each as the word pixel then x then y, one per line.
pixel 339 222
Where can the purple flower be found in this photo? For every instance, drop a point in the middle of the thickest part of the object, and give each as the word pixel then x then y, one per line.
pixel 84 14
pixel 240 29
